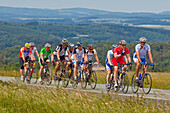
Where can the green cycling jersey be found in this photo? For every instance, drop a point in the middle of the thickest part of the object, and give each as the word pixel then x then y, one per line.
pixel 46 53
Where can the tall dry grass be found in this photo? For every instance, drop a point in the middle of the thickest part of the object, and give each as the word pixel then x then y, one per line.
pixel 20 98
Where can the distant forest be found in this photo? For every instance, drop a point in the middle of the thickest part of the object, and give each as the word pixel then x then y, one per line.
pixel 13 36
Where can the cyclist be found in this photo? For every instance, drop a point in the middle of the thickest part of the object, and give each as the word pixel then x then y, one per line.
pixel 25 52
pixel 34 50
pixel 139 56
pixel 71 48
pixel 78 54
pixel 109 65
pixel 119 54
pixel 44 56
pixel 90 53
pixel 60 52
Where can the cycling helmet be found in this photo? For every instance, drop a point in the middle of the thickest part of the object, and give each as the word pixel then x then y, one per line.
pixel 32 44
pixel 71 46
pixel 122 42
pixel 47 45
pixel 79 43
pixel 113 46
pixel 142 39
pixel 27 45
pixel 90 46
pixel 64 41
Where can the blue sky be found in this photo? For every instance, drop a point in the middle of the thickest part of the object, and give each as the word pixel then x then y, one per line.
pixel 108 5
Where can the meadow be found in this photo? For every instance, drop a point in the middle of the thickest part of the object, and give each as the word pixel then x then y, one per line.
pixel 23 98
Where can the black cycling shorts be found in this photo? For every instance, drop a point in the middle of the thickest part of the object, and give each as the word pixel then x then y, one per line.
pixel 21 62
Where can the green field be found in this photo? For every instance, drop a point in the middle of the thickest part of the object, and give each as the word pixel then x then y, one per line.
pixel 21 98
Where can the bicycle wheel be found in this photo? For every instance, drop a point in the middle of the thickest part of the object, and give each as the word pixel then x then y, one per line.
pixel 112 82
pixel 93 80
pixel 49 77
pixel 134 85
pixel 34 77
pixel 27 76
pixel 124 83
pixel 83 80
pixel 147 83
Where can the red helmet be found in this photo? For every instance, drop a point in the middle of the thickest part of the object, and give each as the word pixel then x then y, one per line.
pixel 122 42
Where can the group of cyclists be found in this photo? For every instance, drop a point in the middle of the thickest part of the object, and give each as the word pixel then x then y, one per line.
pixel 78 54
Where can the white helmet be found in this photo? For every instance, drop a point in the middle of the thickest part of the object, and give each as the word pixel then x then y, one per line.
pixel 142 39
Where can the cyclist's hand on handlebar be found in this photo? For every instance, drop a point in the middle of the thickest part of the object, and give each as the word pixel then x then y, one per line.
pixel 111 65
pixel 70 60
pixel 142 63
pixel 152 64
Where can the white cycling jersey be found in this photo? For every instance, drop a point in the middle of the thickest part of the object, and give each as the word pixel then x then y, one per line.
pixel 62 50
pixel 111 54
pixel 90 54
pixel 33 51
pixel 142 51
pixel 79 53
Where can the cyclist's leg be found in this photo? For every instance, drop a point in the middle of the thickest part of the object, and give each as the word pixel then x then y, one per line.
pixel 115 64
pixel 57 66
pixel 115 73
pixel 21 62
pixel 137 67
pixel 75 67
pixel 108 68
pixel 143 60
pixel 41 67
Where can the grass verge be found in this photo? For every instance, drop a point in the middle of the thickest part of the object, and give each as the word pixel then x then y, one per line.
pixel 21 98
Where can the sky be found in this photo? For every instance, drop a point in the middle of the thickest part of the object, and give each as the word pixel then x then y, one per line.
pixel 108 5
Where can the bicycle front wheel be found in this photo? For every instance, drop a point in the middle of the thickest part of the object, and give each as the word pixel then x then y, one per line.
pixel 134 85
pixel 147 83
pixel 83 80
pixel 93 80
pixel 49 77
pixel 124 83
pixel 34 77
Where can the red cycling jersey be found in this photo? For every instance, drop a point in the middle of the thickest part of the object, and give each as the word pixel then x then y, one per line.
pixel 120 59
pixel 26 53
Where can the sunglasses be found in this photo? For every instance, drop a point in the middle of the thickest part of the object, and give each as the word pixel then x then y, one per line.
pixel 124 45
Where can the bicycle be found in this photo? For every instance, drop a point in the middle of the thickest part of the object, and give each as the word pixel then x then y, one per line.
pixel 62 79
pixel 81 77
pixel 46 74
pixel 145 83
pixel 29 69
pixel 122 80
pixel 91 77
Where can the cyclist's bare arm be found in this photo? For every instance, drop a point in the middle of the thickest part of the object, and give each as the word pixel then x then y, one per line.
pixel 41 56
pixel 32 58
pixel 97 59
pixel 150 56
pixel 85 57
pixel 69 56
pixel 116 55
pixel 137 54
pixel 37 54
pixel 52 57
pixel 126 60
pixel 74 55
pixel 109 60
pixel 58 54
pixel 23 56
pixel 129 59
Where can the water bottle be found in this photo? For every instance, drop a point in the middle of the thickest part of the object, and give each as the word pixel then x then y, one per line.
pixel 139 76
